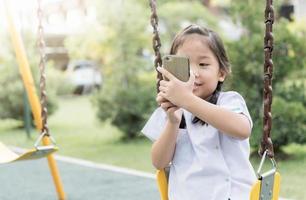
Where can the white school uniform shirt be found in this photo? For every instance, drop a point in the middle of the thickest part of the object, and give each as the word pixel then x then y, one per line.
pixel 207 164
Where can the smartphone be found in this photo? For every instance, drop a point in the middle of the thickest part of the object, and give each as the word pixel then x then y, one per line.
pixel 178 66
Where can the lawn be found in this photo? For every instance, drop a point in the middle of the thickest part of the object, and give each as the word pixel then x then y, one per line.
pixel 79 134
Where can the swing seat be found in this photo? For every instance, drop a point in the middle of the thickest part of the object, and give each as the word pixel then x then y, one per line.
pixel 256 189
pixel 162 183
pixel 7 155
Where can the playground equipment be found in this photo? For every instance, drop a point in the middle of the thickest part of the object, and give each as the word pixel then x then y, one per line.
pixel 39 110
pixel 268 184
pixel 7 155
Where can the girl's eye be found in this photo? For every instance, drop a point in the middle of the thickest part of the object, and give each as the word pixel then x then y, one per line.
pixel 203 65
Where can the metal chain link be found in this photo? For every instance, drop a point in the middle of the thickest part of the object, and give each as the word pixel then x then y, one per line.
pixel 42 63
pixel 266 142
pixel 156 41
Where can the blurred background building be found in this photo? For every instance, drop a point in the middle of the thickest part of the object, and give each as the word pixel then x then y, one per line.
pixel 61 19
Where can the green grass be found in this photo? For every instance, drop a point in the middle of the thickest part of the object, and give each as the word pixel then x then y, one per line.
pixel 79 134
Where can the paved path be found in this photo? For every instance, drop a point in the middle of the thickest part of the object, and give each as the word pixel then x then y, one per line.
pixel 83 180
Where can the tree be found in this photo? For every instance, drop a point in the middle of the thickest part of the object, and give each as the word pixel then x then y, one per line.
pixel 289 56
pixel 118 43
pixel 11 86
pixel 173 17
pixel 122 43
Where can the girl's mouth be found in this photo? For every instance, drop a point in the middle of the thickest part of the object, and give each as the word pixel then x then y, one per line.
pixel 196 86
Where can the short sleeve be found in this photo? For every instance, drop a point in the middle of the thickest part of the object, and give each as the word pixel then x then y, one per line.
pixel 233 101
pixel 155 124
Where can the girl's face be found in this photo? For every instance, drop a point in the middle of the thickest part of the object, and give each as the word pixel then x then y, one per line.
pixel 203 63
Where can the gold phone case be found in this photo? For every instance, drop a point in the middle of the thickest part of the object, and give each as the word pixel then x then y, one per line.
pixel 178 66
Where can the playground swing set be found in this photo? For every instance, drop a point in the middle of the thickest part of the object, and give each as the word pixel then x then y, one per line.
pixel 267 186
pixel 39 109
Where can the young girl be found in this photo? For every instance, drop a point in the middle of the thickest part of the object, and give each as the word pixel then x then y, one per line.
pixel 199 130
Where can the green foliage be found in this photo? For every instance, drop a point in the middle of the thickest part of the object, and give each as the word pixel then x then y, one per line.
pixel 11 86
pixel 289 57
pixel 11 95
pixel 12 91
pixel 128 107
pixel 174 16
pixel 291 128
pixel 120 31
pixel 118 42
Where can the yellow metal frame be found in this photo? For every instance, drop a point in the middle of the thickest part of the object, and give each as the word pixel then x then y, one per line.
pixel 162 183
pixel 28 82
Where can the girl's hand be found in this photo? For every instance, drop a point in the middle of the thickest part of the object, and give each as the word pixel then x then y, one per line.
pixel 174 113
pixel 174 90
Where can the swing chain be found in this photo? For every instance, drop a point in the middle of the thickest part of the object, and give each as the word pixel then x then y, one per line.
pixel 41 136
pixel 156 41
pixel 42 63
pixel 266 142
pixel 263 159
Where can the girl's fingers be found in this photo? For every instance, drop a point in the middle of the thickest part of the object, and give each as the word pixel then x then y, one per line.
pixel 166 73
pixel 172 109
pixel 162 88
pixel 160 99
pixel 162 94
pixel 166 105
pixel 163 83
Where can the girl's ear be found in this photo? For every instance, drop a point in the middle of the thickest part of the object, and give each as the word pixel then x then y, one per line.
pixel 222 75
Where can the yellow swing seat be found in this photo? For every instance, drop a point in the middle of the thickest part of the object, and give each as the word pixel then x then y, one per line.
pixel 254 195
pixel 7 155
pixel 267 186
pixel 255 192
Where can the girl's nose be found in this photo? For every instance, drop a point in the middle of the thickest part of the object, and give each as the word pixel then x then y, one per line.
pixel 195 70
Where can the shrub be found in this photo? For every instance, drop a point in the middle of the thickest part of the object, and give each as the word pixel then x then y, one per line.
pixel 12 91
pixel 127 107
pixel 289 57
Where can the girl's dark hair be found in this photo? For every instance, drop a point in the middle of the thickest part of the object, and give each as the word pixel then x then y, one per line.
pixel 216 46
